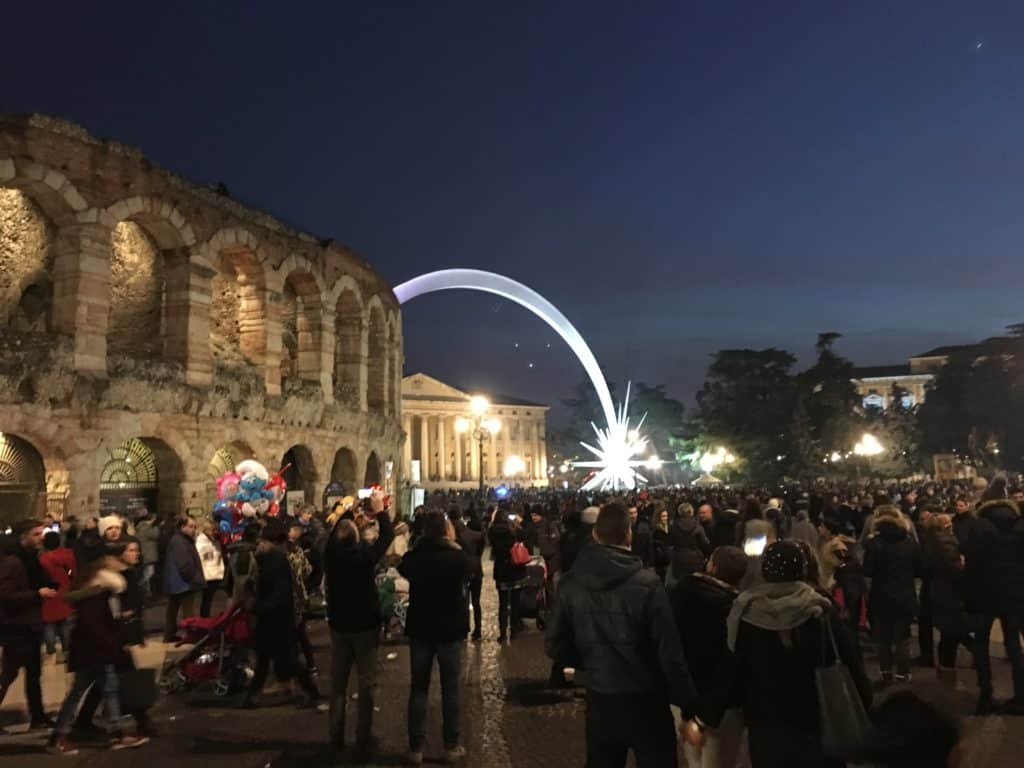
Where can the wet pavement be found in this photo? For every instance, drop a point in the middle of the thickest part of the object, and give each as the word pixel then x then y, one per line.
pixel 510 719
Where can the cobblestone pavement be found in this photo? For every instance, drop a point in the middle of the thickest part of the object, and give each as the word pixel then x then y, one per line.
pixel 509 718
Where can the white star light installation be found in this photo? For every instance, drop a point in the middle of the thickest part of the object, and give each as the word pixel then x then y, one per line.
pixel 618 444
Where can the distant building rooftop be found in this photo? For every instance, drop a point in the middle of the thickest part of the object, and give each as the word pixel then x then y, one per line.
pixel 881 371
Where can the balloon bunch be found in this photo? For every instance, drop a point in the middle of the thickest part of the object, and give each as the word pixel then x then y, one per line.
pixel 245 493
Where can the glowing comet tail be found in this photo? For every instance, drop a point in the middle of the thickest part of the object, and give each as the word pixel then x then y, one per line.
pixel 618 444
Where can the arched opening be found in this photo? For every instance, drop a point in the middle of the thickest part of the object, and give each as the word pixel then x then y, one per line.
pixel 373 474
pixel 26 265
pixel 300 476
pixel 137 324
pixel 300 329
pixel 343 470
pixel 377 363
pixel 22 480
pixel 238 331
pixel 224 459
pixel 142 474
pixel 348 353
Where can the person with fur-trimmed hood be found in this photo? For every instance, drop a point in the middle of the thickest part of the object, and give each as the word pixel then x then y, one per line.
pixel 994 572
pixel 892 559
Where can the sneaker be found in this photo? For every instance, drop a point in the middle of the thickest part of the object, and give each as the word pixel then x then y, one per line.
pixel 454 754
pixel 414 758
pixel 129 742
pixel 61 746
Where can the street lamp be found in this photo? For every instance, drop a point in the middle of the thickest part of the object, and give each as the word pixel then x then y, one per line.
pixel 867 447
pixel 480 427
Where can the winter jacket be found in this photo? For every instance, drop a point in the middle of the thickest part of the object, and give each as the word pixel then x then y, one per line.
pixel 946 585
pixel 700 604
pixel 502 538
pixel 643 541
pixel 211 558
pixel 59 565
pixel 690 547
pixel 963 527
pixel 148 535
pixel 548 537
pixel 995 560
pixel 662 549
pixel 473 544
pixel 612 618
pixel 353 604
pixel 803 530
pixel 130 629
pixel 725 528
pixel 574 539
pixel 301 569
pixel 95 639
pixel 21 578
pixel 437 571
pixel 183 570
pixel 274 629
pixel 892 560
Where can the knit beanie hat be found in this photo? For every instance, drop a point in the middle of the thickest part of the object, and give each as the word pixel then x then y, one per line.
pixel 109 521
pixel 784 561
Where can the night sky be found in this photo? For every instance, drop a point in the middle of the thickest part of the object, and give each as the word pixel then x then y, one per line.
pixel 677 177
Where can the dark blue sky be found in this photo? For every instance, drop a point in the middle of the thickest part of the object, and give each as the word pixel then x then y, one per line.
pixel 677 177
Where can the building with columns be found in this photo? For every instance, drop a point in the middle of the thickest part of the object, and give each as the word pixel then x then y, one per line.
pixel 432 414
pixel 154 332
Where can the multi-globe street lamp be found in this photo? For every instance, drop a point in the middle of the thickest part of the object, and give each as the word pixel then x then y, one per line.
pixel 480 427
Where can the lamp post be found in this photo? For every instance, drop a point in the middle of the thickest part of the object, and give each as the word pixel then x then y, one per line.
pixel 867 447
pixel 481 428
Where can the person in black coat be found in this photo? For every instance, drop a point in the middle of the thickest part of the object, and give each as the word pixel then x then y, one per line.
pixel 776 639
pixel 994 574
pixel 473 544
pixel 690 545
pixel 183 575
pixel 579 528
pixel 436 624
pixel 892 560
pixel 964 520
pixel 508 577
pixel 946 565
pixel 274 634
pixel 643 537
pixel 354 616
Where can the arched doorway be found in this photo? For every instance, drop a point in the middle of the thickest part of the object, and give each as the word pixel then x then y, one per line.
pixel 22 480
pixel 300 477
pixel 377 363
pixel 373 474
pixel 142 474
pixel 344 470
pixel 224 459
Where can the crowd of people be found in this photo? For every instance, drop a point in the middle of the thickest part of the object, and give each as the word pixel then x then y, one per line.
pixel 703 615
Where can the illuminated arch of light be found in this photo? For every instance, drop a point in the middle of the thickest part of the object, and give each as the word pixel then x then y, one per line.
pixel 617 443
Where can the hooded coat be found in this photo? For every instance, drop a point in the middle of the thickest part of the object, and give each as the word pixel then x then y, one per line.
pixel 892 560
pixel 701 604
pixel 942 558
pixel 612 618
pixel 995 559
pixel 690 546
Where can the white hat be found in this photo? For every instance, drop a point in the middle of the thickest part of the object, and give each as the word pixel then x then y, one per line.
pixel 109 522
pixel 589 515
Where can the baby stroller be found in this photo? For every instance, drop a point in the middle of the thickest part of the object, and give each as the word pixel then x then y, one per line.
pixel 218 654
pixel 533 598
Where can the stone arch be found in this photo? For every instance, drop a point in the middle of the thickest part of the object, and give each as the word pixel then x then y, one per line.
pixel 373 472
pixel 300 474
pixel 238 300
pixel 302 326
pixel 344 471
pixel 224 459
pixel 376 357
pixel 27 237
pixel 349 344
pixel 22 479
pixel 142 473
pixel 48 188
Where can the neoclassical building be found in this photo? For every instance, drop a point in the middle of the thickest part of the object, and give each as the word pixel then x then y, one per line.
pixel 438 418
pixel 153 332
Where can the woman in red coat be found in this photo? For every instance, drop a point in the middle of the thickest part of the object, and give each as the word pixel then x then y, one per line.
pixel 59 564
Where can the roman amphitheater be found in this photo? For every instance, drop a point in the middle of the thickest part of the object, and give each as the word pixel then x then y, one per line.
pixel 153 332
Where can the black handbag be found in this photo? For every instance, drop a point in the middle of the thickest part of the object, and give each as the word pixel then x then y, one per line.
pixel 137 688
pixel 843 719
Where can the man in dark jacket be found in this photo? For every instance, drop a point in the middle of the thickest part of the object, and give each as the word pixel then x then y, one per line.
pixel 578 534
pixel 473 544
pixel 275 634
pixel 701 603
pixel 353 614
pixel 994 575
pixel 690 545
pixel 963 520
pixel 612 618
pixel 436 624
pixel 23 586
pixel 643 537
pixel 183 576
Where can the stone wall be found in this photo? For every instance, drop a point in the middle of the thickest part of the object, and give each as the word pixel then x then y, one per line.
pixel 182 318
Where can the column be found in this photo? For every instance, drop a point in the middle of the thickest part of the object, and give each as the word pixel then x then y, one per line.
pixel 460 453
pixel 474 458
pixel 442 449
pixel 542 446
pixel 407 445
pixel 492 461
pixel 506 442
pixel 424 450
pixel 261 341
pixel 81 293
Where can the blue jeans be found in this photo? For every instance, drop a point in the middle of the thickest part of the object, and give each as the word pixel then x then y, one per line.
pixel 104 676
pixel 421 658
pixel 52 631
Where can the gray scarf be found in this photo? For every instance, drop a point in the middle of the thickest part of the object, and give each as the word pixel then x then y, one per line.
pixel 775 606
